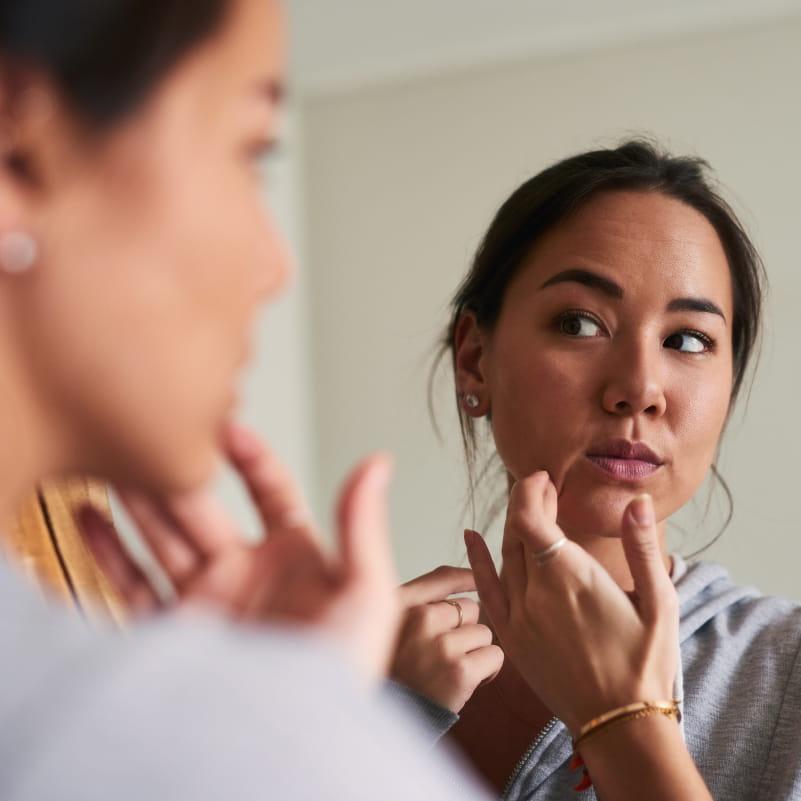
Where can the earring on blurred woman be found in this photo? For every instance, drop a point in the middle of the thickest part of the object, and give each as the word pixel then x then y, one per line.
pixel 19 251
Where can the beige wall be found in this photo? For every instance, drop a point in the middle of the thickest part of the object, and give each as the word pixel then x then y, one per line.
pixel 402 180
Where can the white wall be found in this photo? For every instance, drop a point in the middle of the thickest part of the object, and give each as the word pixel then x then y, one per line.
pixel 401 181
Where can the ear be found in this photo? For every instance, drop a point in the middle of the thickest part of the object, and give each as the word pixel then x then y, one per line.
pixel 11 205
pixel 469 346
pixel 33 131
pixel 36 138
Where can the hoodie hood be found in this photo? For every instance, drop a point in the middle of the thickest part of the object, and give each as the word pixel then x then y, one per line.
pixel 704 589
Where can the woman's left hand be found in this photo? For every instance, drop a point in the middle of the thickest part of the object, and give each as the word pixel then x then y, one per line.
pixel 583 644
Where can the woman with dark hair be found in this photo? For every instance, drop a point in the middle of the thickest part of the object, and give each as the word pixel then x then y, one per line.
pixel 599 344
pixel 134 252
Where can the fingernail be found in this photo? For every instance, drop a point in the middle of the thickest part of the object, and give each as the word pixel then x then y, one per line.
pixel 642 510
pixel 470 537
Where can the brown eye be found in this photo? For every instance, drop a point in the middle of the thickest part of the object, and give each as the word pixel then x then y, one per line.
pixel 575 324
pixel 689 342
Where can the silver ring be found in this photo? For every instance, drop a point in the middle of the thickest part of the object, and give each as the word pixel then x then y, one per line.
pixel 458 609
pixel 544 556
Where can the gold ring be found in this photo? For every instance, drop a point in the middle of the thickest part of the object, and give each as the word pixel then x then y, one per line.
pixel 458 609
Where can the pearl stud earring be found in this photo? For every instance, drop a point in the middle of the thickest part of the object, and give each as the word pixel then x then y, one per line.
pixel 471 400
pixel 18 252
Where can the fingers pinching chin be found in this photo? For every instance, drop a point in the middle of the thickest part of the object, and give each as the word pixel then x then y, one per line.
pixel 551 502
pixel 240 443
pixel 269 483
pixel 643 550
pixel 531 515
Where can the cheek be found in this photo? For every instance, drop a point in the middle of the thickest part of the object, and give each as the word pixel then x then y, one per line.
pixel 141 316
pixel 233 258
pixel 211 260
pixel 214 240
pixel 538 406
pixel 185 284
pixel 699 413
pixel 544 403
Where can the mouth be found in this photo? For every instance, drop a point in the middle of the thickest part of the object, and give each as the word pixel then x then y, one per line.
pixel 625 460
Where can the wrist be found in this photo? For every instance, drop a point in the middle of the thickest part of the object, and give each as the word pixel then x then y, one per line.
pixel 611 704
pixel 631 738
pixel 621 714
pixel 644 757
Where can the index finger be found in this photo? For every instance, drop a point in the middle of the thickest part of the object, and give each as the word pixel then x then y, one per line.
pixel 200 519
pixel 269 484
pixel 530 517
pixel 436 585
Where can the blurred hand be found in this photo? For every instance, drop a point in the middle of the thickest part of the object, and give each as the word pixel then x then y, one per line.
pixel 582 643
pixel 436 656
pixel 350 596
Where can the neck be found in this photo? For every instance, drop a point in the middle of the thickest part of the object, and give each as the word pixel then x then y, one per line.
pixel 609 552
pixel 28 453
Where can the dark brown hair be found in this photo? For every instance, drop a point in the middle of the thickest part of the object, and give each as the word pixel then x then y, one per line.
pixel 103 56
pixel 549 197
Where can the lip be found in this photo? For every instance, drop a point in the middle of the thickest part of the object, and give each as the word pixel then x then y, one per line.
pixel 625 460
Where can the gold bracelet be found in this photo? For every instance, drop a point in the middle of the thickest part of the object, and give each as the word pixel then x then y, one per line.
pixel 640 709
pixel 669 708
pixel 640 713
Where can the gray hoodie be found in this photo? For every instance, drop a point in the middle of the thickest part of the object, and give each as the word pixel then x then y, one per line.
pixel 740 677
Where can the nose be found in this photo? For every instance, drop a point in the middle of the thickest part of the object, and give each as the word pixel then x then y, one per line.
pixel 634 382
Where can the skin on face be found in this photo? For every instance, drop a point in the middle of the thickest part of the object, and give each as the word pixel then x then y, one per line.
pixel 569 366
pixel 157 250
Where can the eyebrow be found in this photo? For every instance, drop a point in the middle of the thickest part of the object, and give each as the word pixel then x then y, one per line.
pixel 586 278
pixel 609 288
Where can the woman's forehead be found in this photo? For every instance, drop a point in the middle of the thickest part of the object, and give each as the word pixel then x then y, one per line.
pixel 642 240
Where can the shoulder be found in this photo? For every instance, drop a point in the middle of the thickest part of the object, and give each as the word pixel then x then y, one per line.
pixel 742 684
pixel 735 633
pixel 714 605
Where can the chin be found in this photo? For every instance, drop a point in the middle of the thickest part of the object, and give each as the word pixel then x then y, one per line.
pixel 197 470
pixel 192 455
pixel 587 512
pixel 178 466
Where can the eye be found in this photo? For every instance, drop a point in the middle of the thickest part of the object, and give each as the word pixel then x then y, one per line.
pixel 689 342
pixel 579 324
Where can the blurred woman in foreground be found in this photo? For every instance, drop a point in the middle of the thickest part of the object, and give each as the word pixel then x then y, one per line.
pixel 134 253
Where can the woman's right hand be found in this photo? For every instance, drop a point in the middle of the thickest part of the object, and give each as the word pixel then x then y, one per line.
pixel 440 654
pixel 606 647
pixel 349 596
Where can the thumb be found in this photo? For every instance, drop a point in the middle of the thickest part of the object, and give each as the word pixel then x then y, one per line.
pixel 363 522
pixel 644 556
